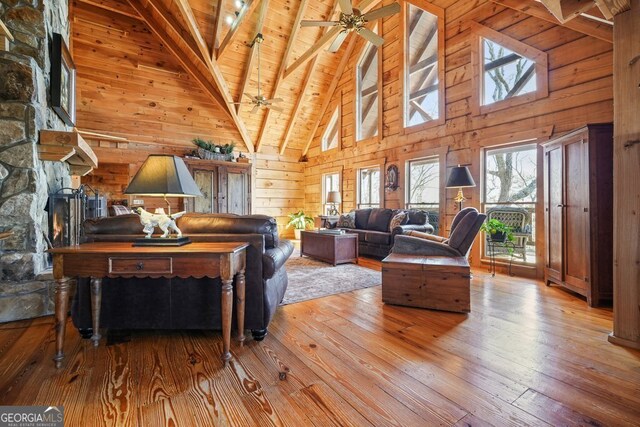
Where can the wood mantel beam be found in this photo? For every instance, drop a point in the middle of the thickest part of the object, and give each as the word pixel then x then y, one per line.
pixel 212 65
pixel 364 6
pixel 580 24
pixel 247 10
pixel 293 35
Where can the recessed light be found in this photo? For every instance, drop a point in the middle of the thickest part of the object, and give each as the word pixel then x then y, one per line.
pixel 229 19
pixel 239 4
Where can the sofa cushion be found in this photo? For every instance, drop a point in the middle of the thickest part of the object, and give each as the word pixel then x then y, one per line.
pixel 361 233
pixel 121 224
pixel 379 219
pixel 231 224
pixel 362 218
pixel 417 217
pixel 378 237
pixel 347 220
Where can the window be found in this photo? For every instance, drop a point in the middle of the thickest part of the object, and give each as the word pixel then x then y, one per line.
pixel 367 99
pixel 369 188
pixel 423 187
pixel 506 72
pixel 510 196
pixel 330 182
pixel 422 76
pixel 331 135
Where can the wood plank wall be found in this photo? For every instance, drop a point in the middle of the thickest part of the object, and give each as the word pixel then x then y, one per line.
pixel 580 92
pixel 157 108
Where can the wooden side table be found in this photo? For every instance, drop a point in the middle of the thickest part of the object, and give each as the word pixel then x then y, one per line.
pixel 120 259
pixel 332 248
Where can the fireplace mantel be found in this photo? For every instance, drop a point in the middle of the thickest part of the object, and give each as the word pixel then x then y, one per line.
pixel 67 147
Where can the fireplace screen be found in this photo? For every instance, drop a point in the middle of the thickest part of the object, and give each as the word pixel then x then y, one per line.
pixel 67 209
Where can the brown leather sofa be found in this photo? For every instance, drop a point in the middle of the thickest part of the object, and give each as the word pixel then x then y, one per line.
pixel 189 303
pixel 375 239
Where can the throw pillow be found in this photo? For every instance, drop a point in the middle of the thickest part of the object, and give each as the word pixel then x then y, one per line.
pixel 397 220
pixel 347 220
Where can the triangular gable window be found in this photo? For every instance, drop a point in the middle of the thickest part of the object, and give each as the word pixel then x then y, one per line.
pixel 506 72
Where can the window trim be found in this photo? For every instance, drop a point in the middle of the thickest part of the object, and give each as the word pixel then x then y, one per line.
pixel 365 45
pixel 323 196
pixel 540 58
pixel 440 13
pixel 336 111
pixel 380 167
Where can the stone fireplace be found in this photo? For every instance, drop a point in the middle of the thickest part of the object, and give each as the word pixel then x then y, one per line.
pixel 26 288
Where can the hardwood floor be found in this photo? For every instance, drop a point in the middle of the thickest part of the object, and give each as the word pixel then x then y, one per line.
pixel 525 355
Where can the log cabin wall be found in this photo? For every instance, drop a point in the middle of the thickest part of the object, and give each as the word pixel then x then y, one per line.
pixel 580 92
pixel 135 99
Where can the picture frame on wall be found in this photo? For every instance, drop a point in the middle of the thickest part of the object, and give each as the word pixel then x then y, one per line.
pixel 63 81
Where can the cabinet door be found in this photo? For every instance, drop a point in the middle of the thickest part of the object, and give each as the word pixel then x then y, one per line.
pixel 235 188
pixel 207 181
pixel 553 210
pixel 576 180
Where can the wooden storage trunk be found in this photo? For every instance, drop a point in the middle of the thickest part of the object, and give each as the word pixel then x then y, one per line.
pixel 440 283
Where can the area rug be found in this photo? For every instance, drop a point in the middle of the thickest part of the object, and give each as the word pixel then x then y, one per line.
pixel 311 279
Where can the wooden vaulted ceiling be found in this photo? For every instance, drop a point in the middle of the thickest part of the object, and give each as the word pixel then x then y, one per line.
pixel 193 42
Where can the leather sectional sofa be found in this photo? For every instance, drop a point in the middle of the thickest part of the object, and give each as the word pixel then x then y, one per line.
pixel 375 238
pixel 189 303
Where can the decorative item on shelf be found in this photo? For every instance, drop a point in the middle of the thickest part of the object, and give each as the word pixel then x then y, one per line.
pixel 333 199
pixel 460 177
pixel 162 176
pixel 242 158
pixel 391 178
pixel 210 151
pixel 299 221
pixel 63 81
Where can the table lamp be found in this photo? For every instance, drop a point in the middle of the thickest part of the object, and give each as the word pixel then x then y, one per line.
pixel 460 177
pixel 333 199
pixel 163 176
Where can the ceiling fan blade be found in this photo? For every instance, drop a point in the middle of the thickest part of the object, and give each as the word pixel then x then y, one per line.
pixel 371 36
pixel 382 12
pixel 255 109
pixel 319 23
pixel 275 108
pixel 335 46
pixel 346 7
pixel 248 96
pixel 275 100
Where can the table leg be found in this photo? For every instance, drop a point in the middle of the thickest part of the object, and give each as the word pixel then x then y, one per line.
pixel 227 307
pixel 96 302
pixel 240 299
pixel 62 307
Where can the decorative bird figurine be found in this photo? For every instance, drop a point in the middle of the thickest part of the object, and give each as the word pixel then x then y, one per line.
pixel 164 221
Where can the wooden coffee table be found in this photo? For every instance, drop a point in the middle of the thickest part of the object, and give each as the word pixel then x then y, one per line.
pixel 332 248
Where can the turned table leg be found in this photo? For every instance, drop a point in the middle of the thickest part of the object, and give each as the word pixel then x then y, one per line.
pixel 96 302
pixel 62 307
pixel 240 299
pixel 227 307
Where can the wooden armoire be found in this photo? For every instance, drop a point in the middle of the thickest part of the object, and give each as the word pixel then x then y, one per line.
pixel 578 217
pixel 225 187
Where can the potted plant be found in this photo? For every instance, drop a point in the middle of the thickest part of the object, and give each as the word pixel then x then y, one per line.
pixel 497 230
pixel 299 221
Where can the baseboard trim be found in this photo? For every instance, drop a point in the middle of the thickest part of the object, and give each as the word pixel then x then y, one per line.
pixel 624 342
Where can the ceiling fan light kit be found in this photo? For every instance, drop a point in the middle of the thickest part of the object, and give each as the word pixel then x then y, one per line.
pixel 352 20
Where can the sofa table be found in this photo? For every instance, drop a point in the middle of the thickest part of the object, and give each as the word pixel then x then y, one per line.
pixel 332 248
pixel 120 259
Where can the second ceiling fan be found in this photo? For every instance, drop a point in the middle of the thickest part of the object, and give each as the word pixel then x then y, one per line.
pixel 352 20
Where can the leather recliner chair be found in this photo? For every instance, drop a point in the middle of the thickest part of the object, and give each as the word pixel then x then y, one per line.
pixel 188 303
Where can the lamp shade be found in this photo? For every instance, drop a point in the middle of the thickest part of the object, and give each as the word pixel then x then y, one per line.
pixel 334 197
pixel 460 177
pixel 163 175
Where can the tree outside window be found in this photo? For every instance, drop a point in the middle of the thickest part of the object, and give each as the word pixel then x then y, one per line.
pixel 369 188
pixel 423 188
pixel 330 182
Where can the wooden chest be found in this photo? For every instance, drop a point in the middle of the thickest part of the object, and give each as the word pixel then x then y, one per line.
pixel 440 283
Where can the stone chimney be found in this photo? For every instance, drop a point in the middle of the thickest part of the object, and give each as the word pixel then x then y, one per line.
pixel 25 181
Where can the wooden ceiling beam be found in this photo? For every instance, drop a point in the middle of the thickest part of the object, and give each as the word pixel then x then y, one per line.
pixel 248 68
pixel 611 8
pixel 212 65
pixel 305 85
pixel 364 6
pixel 247 10
pixel 101 5
pixel 565 10
pixel 293 35
pixel 580 24
pixel 329 94
pixel 217 26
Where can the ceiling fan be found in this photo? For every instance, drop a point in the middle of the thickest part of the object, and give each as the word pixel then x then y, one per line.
pixel 352 20
pixel 259 100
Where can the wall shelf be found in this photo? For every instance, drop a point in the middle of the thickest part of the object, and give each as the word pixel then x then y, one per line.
pixel 67 147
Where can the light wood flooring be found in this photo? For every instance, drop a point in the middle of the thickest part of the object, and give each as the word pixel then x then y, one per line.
pixel 526 355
